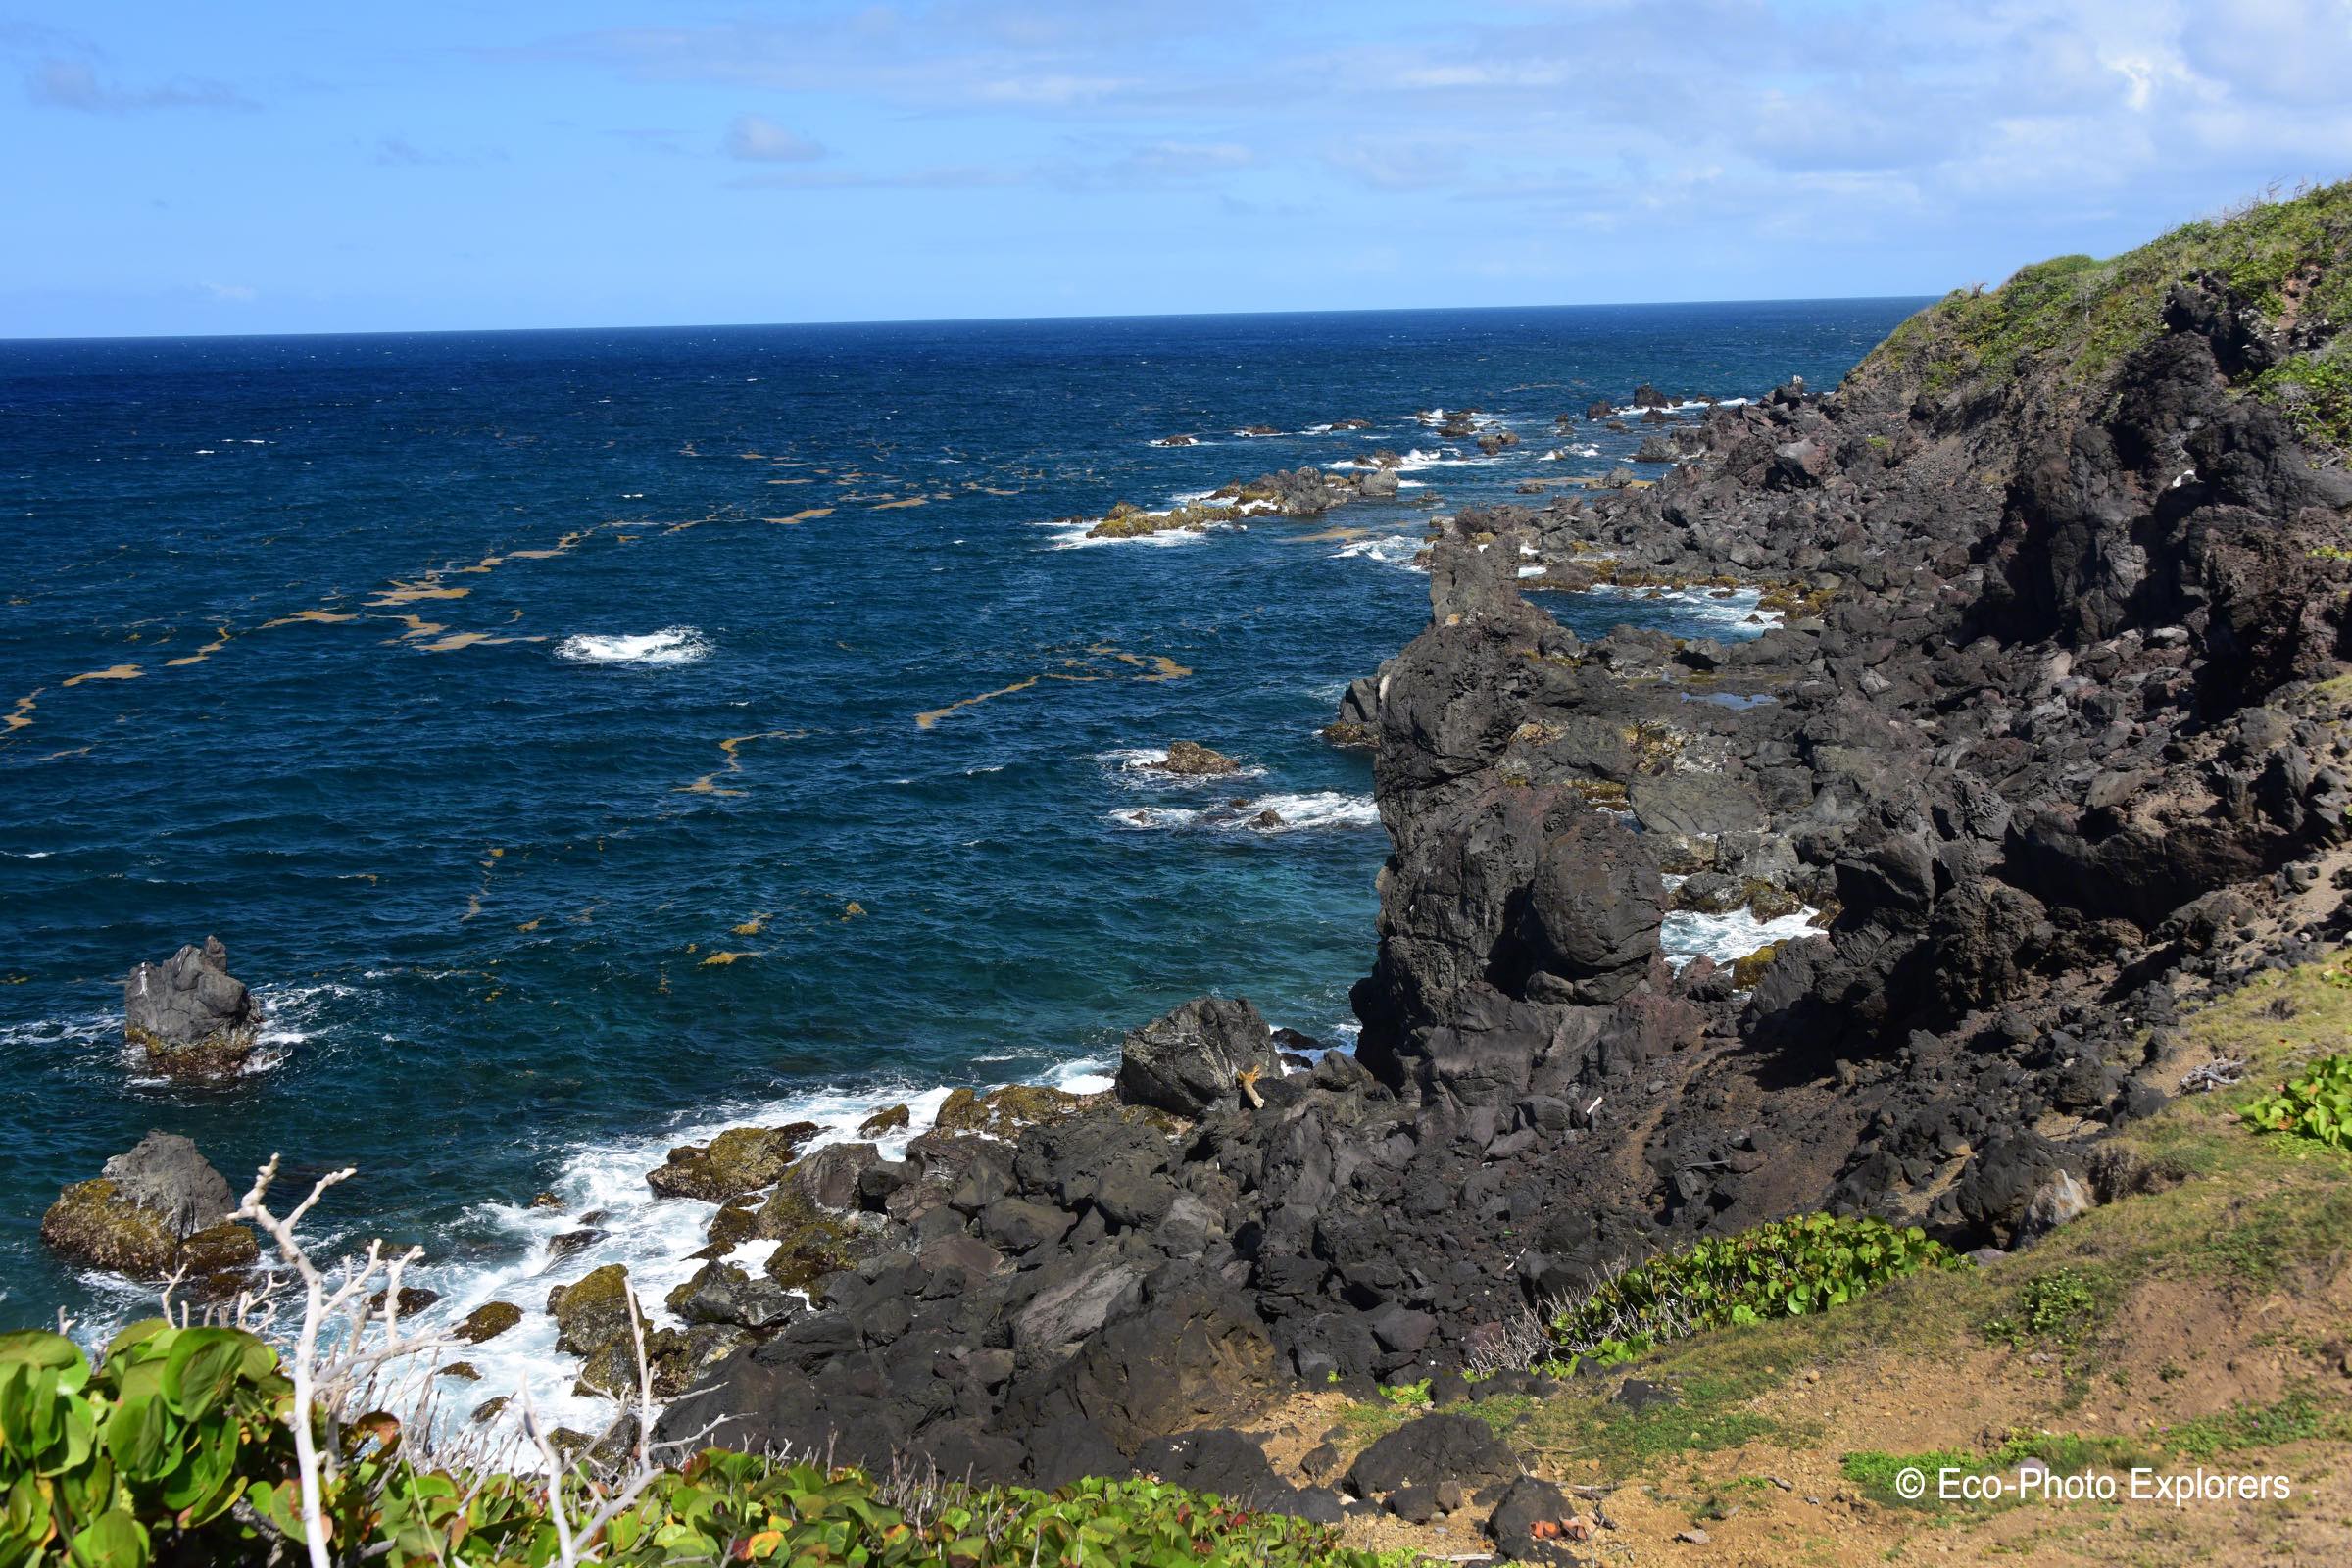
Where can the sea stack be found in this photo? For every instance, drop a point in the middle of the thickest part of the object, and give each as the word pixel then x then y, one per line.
pixel 192 1018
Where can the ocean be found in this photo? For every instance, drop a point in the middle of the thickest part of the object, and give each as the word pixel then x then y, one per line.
pixel 584 740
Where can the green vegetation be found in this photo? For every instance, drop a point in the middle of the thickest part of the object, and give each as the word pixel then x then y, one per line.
pixel 2316 394
pixel 176 1448
pixel 2316 1105
pixel 2298 1418
pixel 2285 257
pixel 2060 1305
pixel 1786 1269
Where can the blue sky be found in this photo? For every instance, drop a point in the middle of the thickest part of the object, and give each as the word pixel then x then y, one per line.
pixel 318 168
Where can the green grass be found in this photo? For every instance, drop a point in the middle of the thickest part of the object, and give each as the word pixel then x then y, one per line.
pixel 2316 395
pixel 2089 314
pixel 2299 1417
pixel 1715 1382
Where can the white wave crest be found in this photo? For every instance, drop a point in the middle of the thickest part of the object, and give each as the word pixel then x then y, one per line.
pixel 1390 550
pixel 651 1236
pixel 1735 608
pixel 1686 934
pixel 671 645
pixel 1147 766
pixel 1290 813
pixel 1082 537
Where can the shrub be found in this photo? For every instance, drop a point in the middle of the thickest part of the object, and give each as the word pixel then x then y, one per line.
pixel 1786 1269
pixel 2316 1105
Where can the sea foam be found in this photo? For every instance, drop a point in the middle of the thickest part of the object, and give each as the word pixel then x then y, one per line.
pixel 1294 813
pixel 671 645
pixel 1686 934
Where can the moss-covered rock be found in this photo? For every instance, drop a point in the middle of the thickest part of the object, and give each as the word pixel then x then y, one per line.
pixel 612 1369
pixel 1769 901
pixel 157 1210
pixel 1747 971
pixel 1126 521
pixel 810 1243
pixel 1005 1112
pixel 739 1161
pixel 736 1222
pixel 190 1016
pixel 1192 759
pixel 593 1311
pixel 1348 735
pixel 95 1223
pixel 488 1321
pixel 889 1120
pixel 221 1253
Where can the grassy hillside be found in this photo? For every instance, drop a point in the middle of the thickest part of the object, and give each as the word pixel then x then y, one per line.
pixel 2289 259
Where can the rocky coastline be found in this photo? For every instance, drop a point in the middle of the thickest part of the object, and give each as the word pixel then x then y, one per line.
pixel 2048 729
pixel 2051 733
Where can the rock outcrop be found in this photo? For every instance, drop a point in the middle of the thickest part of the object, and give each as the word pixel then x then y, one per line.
pixel 190 1016
pixel 159 1209
pixel 1209 1052
pixel 739 1161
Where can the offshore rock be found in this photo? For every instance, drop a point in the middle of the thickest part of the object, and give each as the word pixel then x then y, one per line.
pixel 1192 759
pixel 191 1017
pixel 157 1208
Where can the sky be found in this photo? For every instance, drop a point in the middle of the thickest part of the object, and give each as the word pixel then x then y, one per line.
pixel 291 168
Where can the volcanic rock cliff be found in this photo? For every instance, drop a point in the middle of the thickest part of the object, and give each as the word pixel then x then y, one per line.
pixel 2050 732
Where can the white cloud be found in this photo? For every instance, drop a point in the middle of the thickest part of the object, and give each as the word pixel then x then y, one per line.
pixel 75 85
pixel 1053 90
pixel 232 293
pixel 757 139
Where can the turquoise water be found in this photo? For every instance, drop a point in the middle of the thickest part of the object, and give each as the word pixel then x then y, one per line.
pixel 478 689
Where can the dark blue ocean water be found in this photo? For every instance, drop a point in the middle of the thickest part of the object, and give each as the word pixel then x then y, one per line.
pixel 349 651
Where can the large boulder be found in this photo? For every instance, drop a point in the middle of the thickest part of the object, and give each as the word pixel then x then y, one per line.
pixel 191 1015
pixel 1196 1056
pixel 159 1208
pixel 1434 1448
pixel 593 1311
pixel 1193 1355
pixel 739 1161
pixel 1004 1112
pixel 1594 908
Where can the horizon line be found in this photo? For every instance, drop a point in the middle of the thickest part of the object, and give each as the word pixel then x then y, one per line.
pixel 953 320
